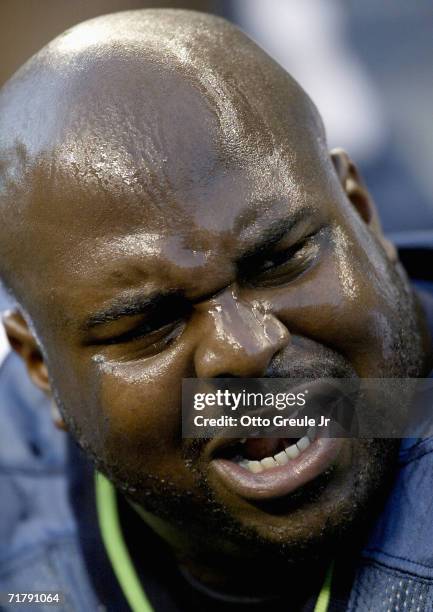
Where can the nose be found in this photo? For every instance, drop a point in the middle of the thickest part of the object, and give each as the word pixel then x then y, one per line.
pixel 239 338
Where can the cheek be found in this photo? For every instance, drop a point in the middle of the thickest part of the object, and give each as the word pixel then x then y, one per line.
pixel 130 415
pixel 141 403
pixel 347 303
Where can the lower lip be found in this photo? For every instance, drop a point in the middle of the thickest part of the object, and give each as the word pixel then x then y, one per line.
pixel 279 481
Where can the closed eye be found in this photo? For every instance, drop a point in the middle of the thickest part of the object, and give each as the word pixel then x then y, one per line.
pixel 159 323
pixel 283 266
pixel 142 331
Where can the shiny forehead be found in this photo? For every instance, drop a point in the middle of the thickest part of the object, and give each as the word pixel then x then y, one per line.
pixel 114 78
pixel 144 109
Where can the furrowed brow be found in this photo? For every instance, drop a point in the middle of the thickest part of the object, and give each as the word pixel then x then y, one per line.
pixel 129 307
pixel 273 234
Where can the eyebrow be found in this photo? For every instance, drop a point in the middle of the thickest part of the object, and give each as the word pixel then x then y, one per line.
pixel 134 305
pixel 272 235
pixel 131 306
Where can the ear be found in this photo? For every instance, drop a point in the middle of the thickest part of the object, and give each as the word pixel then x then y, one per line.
pixel 358 195
pixel 23 341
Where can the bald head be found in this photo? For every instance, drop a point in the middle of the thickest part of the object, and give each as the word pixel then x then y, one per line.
pixel 169 210
pixel 142 108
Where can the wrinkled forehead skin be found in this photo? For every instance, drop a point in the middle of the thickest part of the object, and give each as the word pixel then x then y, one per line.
pixel 134 127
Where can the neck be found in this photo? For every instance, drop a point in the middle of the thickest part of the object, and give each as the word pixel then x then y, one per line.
pixel 228 574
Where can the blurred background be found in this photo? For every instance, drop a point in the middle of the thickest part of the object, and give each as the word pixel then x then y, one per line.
pixel 367 65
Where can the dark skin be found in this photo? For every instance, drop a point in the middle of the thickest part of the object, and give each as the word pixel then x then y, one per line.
pixel 180 216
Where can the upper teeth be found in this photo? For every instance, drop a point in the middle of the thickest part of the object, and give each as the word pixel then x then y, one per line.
pixel 281 458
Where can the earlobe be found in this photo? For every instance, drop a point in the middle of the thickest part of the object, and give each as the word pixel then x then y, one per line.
pixel 56 417
pixel 390 250
pixel 354 187
pixel 23 341
pixel 357 193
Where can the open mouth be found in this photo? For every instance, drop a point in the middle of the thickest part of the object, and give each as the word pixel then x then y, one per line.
pixel 268 468
pixel 260 454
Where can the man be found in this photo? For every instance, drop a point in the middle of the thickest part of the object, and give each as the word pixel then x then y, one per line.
pixel 169 210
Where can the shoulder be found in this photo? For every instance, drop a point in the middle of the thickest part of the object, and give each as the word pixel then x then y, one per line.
pixel 38 532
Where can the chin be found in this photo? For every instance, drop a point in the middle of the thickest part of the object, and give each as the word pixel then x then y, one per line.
pixel 342 499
